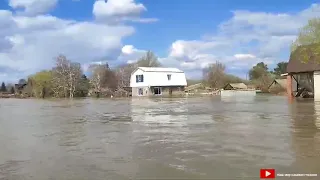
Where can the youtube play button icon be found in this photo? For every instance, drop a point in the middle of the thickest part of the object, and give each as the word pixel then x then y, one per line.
pixel 267 173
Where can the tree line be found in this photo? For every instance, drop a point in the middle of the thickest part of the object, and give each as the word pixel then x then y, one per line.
pixel 67 79
pixel 259 75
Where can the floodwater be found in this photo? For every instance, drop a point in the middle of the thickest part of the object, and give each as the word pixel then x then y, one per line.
pixel 178 138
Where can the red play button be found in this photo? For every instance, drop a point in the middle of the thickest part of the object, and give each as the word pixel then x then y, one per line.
pixel 267 173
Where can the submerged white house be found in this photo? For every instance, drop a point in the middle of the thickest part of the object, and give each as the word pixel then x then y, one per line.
pixel 156 81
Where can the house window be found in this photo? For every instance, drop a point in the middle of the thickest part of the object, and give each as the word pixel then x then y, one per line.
pixel 157 91
pixel 139 78
pixel 169 77
pixel 140 92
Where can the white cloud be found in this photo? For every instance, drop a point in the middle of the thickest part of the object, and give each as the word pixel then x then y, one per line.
pixel 30 39
pixel 40 22
pixel 29 43
pixel 119 10
pixel 188 65
pixel 33 42
pixel 130 54
pixel 190 50
pixel 244 40
pixel 244 56
pixel 33 7
pixel 128 49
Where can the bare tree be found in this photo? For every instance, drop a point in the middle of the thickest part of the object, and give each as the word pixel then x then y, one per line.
pixel 60 73
pixel 66 77
pixel 215 75
pixel 123 74
pixel 103 79
pixel 149 60
pixel 97 73
pixel 75 74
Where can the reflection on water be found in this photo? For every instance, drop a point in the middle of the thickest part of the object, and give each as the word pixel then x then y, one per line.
pixel 305 135
pixel 157 138
pixel 317 114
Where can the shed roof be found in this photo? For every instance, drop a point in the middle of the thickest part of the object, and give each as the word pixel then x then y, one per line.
pixel 281 82
pixel 237 85
pixel 160 69
pixel 20 86
pixel 296 63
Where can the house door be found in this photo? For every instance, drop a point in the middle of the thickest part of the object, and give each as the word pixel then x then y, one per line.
pixel 140 91
pixel 157 91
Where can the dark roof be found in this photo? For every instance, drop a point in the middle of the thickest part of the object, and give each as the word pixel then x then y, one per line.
pixel 235 86
pixel 20 86
pixel 304 59
pixel 281 82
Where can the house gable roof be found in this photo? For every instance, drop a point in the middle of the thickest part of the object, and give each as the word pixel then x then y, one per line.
pixel 296 63
pixel 236 86
pixel 159 69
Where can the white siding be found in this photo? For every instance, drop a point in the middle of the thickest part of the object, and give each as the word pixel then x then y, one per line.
pixel 316 77
pixel 158 78
pixel 237 93
pixel 133 82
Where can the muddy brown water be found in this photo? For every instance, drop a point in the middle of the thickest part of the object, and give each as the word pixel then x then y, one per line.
pixel 178 138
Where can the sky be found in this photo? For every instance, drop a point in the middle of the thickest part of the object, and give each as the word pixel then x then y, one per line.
pixel 186 34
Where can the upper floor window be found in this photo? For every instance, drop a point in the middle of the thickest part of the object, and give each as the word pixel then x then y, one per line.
pixel 139 78
pixel 169 77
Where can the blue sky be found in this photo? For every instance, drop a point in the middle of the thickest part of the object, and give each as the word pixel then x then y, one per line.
pixel 187 34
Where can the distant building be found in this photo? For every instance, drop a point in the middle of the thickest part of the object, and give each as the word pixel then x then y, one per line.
pixel 235 86
pixel 237 90
pixel 278 83
pixel 19 88
pixel 154 81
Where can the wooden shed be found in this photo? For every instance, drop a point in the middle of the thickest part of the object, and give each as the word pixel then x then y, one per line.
pixel 278 83
pixel 235 86
pixel 304 70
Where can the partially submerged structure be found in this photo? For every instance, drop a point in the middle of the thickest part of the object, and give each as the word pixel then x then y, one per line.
pixel 235 86
pixel 154 81
pixel 19 88
pixel 278 85
pixel 194 87
pixel 303 72
pixel 237 89
pixel 281 83
pixel 200 89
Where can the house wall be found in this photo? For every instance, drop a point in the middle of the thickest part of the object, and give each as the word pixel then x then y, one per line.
pixel 316 76
pixel 176 91
pixel 165 91
pixel 237 93
pixel 146 92
pixel 158 79
pixel 133 82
